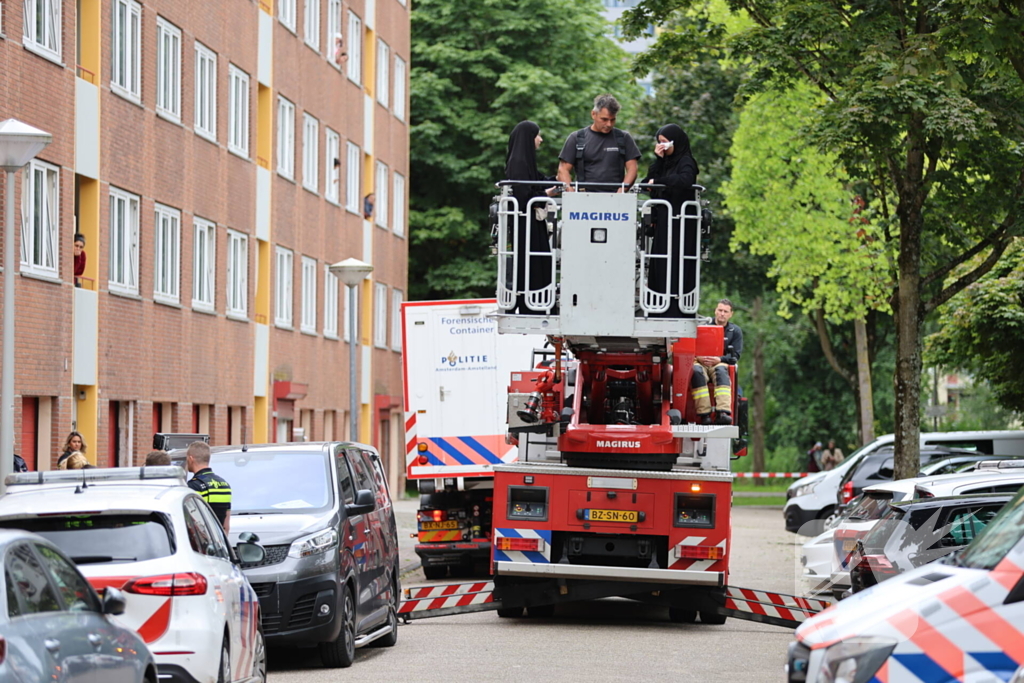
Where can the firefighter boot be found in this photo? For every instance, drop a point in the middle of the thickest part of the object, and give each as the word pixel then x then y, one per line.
pixel 723 395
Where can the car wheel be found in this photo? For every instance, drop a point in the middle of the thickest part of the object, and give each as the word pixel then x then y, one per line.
pixel 224 671
pixel 510 612
pixel 712 618
pixel 435 573
pixel 342 652
pixel 680 615
pixel 259 657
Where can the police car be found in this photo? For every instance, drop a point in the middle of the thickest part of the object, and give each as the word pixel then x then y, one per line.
pixel 960 619
pixel 142 530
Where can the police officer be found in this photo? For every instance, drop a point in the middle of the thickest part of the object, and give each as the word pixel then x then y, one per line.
pixel 214 490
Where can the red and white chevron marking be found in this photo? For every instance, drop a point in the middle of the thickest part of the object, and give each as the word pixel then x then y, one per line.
pixel 781 606
pixel 410 437
pixel 439 597
pixel 772 475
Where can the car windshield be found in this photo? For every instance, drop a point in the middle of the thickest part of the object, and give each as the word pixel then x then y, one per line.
pixel 996 540
pixel 871 506
pixel 875 539
pixel 276 483
pixel 101 539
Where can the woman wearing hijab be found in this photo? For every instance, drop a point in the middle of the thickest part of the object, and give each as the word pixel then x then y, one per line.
pixel 676 169
pixel 521 164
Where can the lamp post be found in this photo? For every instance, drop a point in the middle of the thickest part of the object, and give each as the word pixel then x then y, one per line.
pixel 352 272
pixel 19 144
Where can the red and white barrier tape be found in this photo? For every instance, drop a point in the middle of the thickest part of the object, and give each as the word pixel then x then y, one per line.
pixel 772 475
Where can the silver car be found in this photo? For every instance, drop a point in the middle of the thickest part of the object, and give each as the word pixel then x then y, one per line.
pixel 53 626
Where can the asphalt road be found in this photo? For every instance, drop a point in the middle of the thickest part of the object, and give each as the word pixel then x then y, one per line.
pixel 605 640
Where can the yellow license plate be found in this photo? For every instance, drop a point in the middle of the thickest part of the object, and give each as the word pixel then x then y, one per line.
pixel 627 516
pixel 434 526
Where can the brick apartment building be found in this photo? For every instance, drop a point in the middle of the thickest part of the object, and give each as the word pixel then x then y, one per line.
pixel 216 157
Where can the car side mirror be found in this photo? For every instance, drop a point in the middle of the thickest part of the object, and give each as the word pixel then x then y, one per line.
pixel 363 504
pixel 113 601
pixel 249 551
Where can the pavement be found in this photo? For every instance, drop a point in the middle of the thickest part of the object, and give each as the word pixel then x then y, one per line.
pixel 405 520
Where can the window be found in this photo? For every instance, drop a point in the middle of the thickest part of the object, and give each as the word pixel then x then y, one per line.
pixel 310 152
pixel 168 69
pixel 345 312
pixel 396 317
pixel 308 295
pixel 348 491
pixel 40 218
pixel 206 92
pixel 28 583
pixel 334 32
pixel 398 205
pixel 355 47
pixel 383 71
pixel 238 273
pixel 166 248
pixel 124 242
pixel 204 250
pixel 71 586
pixel 286 13
pixel 353 156
pixel 332 165
pixel 311 14
pixel 330 304
pixel 283 288
pixel 285 138
pixel 126 48
pixel 42 26
pixel 380 315
pixel 381 189
pixel 238 111
pixel 398 106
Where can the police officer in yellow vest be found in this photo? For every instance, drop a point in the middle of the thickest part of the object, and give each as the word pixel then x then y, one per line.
pixel 214 490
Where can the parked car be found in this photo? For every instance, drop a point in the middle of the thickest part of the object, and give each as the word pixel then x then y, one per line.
pixel 916 532
pixel 878 467
pixel 323 510
pixel 981 480
pixel 961 463
pixel 53 626
pixel 812 499
pixel 144 531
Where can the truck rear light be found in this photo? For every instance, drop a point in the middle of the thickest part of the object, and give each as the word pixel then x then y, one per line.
pixel 187 583
pixel 519 544
pixel 432 515
pixel 699 552
pixel 847 492
pixel 422 459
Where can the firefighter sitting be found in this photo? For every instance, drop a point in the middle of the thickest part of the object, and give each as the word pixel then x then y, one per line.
pixel 720 367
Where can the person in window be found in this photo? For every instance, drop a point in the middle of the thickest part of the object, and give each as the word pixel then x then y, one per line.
pixel 368 206
pixel 675 168
pixel 531 228
pixel 340 56
pixel 79 258
pixel 212 488
pixel 74 442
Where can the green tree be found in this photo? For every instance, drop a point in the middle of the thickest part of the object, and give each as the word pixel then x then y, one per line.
pixel 916 108
pixel 478 69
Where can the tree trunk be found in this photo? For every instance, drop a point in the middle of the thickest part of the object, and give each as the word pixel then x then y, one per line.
pixel 865 397
pixel 757 437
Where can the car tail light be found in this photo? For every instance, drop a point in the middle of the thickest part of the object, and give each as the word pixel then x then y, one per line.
pixel 431 515
pixel 921 493
pixel 519 544
pixel 847 492
pixel 188 583
pixel 3 649
pixel 699 552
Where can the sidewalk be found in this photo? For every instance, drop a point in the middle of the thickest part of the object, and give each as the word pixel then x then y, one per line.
pixel 405 519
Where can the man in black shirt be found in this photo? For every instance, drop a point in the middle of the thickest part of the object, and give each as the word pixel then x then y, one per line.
pixel 214 490
pixel 720 366
pixel 600 153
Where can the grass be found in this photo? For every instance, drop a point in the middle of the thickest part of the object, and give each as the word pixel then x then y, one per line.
pixel 744 484
pixel 776 501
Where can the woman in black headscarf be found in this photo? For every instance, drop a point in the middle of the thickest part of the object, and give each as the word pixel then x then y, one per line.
pixel 676 169
pixel 521 164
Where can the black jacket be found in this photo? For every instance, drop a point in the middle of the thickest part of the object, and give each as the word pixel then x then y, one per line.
pixel 733 338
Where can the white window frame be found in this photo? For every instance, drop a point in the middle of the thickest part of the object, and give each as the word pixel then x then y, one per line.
pixel 346 291
pixel 355 48
pixel 167 254
pixel 44 40
pixel 204 264
pixel 168 69
pixel 308 322
pixel 397 297
pixel 126 49
pixel 331 288
pixel 333 29
pixel 238 111
pixel 381 185
pixel 311 19
pixel 206 92
pixel 310 152
pixel 332 165
pixel 286 14
pixel 285 138
pixel 124 242
pixel 380 315
pixel 40 188
pixel 238 275
pixel 353 163
pixel 383 73
pixel 398 106
pixel 398 204
pixel 284 262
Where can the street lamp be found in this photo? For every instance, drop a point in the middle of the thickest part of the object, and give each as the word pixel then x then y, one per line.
pixel 19 144
pixel 352 271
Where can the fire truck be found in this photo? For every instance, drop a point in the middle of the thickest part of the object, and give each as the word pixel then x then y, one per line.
pixel 625 494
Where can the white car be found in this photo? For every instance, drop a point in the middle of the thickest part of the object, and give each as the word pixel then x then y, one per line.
pixel 145 532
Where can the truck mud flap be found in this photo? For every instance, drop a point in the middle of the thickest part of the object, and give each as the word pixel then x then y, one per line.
pixel 422 602
pixel 777 609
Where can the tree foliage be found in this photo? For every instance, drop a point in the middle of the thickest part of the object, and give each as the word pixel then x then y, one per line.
pixel 478 69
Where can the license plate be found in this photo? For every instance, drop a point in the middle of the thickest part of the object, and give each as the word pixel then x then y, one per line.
pixel 849 545
pixel 434 526
pixel 627 516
